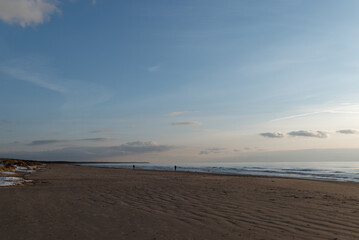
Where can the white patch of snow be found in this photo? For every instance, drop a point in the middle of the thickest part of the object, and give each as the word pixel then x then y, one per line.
pixel 10 181
pixel 7 173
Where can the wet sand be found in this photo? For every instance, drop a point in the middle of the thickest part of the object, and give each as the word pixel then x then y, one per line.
pixel 77 202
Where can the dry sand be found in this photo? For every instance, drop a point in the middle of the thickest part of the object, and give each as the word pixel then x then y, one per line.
pixel 76 202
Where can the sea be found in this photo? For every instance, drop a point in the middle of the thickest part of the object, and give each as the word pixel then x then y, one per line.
pixel 328 171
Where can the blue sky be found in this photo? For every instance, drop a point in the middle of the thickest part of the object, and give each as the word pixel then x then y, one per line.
pixel 177 80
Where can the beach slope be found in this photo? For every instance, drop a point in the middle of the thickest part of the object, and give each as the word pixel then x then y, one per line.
pixel 78 202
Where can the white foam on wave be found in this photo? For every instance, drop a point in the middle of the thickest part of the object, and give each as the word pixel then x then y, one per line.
pixel 330 171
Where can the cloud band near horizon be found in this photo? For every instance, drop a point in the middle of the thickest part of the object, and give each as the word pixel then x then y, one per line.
pixel 300 133
pixel 90 153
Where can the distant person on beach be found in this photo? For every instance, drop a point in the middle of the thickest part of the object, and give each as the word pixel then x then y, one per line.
pixel 175 167
pixel 133 166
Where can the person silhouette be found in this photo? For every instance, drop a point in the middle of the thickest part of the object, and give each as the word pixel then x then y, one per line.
pixel 133 166
pixel 175 167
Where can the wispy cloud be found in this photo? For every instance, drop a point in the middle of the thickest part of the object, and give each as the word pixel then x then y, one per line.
pixel 154 68
pixel 97 139
pixel 214 150
pixel 45 142
pixel 268 67
pixel 36 71
pixel 92 1
pixel 92 153
pixel 27 12
pixel 55 141
pixel 344 108
pixel 4 121
pixel 248 149
pixel 175 113
pixel 348 131
pixel 179 113
pixel 315 134
pixel 186 123
pixel 34 78
pixel 272 135
pixel 303 133
pixel 103 130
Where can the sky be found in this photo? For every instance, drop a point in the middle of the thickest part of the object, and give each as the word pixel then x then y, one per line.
pixel 178 81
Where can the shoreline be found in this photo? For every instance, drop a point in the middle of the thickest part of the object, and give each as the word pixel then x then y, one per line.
pixel 275 172
pixel 226 173
pixel 221 174
pixel 80 202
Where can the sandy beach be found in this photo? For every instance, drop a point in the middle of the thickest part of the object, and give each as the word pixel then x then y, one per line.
pixel 77 202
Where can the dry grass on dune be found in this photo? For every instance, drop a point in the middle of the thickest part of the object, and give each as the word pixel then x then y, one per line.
pixel 9 165
pixel 2 168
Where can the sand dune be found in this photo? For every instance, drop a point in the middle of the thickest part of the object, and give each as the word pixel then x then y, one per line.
pixel 73 202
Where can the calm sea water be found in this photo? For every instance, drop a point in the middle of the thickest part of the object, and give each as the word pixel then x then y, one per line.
pixel 330 171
